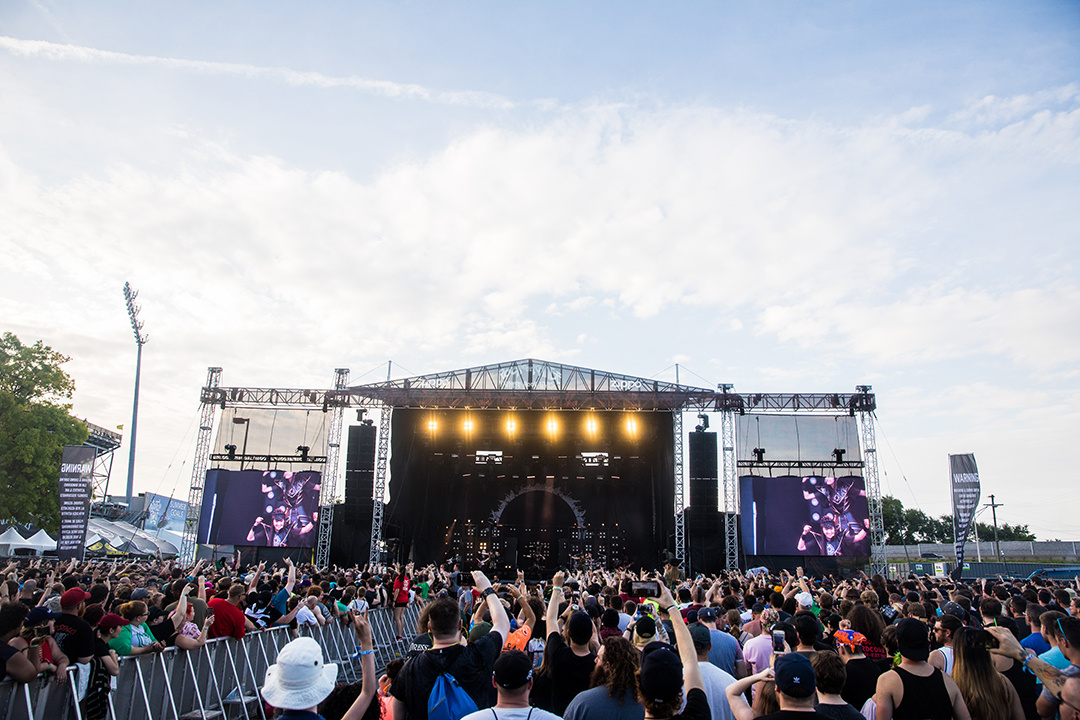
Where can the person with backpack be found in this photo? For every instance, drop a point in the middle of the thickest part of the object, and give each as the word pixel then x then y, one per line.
pixel 513 679
pixel 452 680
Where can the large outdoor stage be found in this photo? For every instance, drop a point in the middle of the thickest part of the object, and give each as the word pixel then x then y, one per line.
pixel 530 488
pixel 537 465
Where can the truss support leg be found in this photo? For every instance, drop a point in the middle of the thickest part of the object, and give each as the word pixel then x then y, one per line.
pixel 328 490
pixel 731 491
pixel 210 400
pixel 878 563
pixel 379 491
pixel 680 492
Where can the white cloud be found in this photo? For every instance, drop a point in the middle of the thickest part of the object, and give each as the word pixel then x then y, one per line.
pixel 852 241
pixel 387 88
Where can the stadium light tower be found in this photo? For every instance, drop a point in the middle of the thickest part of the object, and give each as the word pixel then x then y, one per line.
pixel 140 340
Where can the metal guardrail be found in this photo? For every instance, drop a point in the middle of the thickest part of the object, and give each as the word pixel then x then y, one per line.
pixel 219 681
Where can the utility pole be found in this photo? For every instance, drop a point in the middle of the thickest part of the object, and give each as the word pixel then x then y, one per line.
pixel 993 508
pixel 140 340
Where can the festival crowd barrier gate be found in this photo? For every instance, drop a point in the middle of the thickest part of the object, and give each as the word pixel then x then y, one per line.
pixel 219 681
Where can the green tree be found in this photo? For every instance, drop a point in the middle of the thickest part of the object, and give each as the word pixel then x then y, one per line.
pixel 35 424
pixel 911 526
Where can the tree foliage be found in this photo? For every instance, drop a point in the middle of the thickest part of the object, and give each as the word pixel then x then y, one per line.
pixel 911 526
pixel 35 424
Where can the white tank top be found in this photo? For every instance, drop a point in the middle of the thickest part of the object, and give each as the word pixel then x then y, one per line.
pixel 947 653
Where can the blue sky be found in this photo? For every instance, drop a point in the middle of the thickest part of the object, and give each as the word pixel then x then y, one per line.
pixel 786 196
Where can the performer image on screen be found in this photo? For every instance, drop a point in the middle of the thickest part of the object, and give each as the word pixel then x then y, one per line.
pixel 834 539
pixel 833 495
pixel 291 487
pixel 278 533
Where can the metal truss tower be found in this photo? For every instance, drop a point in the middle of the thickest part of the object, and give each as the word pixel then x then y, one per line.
pixel 199 464
pixel 878 563
pixel 379 491
pixel 680 493
pixel 328 490
pixel 731 490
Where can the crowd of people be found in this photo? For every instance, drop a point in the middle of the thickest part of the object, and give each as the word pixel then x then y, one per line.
pixel 585 646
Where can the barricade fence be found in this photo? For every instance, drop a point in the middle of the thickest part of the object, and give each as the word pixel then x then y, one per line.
pixel 219 681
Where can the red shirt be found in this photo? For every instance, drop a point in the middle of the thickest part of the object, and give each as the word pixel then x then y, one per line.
pixel 228 619
pixel 401 590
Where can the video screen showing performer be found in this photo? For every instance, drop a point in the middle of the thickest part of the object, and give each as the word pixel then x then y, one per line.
pixel 272 508
pixel 810 515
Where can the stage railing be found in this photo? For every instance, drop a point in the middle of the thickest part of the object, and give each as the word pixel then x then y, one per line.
pixel 220 680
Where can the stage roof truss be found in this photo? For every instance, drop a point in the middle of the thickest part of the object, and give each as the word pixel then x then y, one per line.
pixel 538 385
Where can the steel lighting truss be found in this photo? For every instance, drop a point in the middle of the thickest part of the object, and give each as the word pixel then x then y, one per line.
pixel 199 465
pixel 105 442
pixel 329 478
pixel 534 384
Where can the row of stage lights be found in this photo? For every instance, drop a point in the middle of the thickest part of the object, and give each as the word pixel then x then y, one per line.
pixel 590 426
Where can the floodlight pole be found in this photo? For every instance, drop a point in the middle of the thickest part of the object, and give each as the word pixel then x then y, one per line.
pixel 140 340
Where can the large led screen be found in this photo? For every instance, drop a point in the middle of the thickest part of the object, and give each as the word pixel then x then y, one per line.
pixel 805 516
pixel 273 508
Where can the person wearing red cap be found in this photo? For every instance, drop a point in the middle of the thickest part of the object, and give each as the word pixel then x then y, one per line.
pixel 75 636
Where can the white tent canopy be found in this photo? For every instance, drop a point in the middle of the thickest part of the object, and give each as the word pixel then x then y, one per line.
pixel 11 540
pixel 41 541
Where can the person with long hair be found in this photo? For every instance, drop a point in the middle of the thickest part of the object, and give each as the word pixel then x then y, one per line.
pixel 613 685
pixel 868 622
pixel 987 693
pixel 401 600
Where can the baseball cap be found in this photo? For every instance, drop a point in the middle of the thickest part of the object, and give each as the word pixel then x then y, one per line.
pixel 512 669
pixel 701 637
pixel 804 599
pixel 610 618
pixel 73 597
pixel 39 615
pixel 706 614
pixel 645 628
pixel 913 639
pixel 661 675
pixel 479 630
pixel 580 627
pixel 110 621
pixel 955 609
pixel 795 675
pixel 140 594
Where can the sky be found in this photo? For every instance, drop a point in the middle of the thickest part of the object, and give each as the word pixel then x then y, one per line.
pixel 785 196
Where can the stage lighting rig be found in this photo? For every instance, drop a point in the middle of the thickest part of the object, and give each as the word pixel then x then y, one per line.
pixel 704 423
pixel 759 454
pixel 838 453
pixel 303 450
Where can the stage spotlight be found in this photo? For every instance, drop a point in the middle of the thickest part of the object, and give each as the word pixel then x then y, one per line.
pixel 511 426
pixel 631 426
pixel 590 425
pixel 552 426
pixel 467 426
pixel 433 425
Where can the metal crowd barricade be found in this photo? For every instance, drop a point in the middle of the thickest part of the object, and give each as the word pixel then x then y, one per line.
pixel 219 681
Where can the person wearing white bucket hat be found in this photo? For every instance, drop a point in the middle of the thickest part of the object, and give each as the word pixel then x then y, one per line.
pixel 300 680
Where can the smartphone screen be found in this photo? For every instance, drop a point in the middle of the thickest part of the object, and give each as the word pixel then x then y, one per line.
pixel 645 588
pixel 778 639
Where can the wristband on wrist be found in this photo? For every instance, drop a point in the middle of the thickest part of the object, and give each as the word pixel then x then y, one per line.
pixel 487 592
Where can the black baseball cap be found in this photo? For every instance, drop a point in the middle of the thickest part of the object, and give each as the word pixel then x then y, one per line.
pixel 661 674
pixel 512 669
pixel 913 639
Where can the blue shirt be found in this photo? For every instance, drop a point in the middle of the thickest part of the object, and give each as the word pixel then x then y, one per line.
pixel 724 651
pixel 280 601
pixel 1035 641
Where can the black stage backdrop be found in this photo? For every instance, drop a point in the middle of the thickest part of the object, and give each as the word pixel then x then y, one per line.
pixel 529 477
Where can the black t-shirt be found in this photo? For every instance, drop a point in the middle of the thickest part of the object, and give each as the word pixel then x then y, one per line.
pixel 697 707
pixel 839 712
pixel 74 636
pixel 570 673
pixel 471 665
pixel 861 683
pixel 420 643
pixel 794 715
pixel 101 648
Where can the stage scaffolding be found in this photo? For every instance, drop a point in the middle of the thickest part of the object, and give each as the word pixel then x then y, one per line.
pixel 535 384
